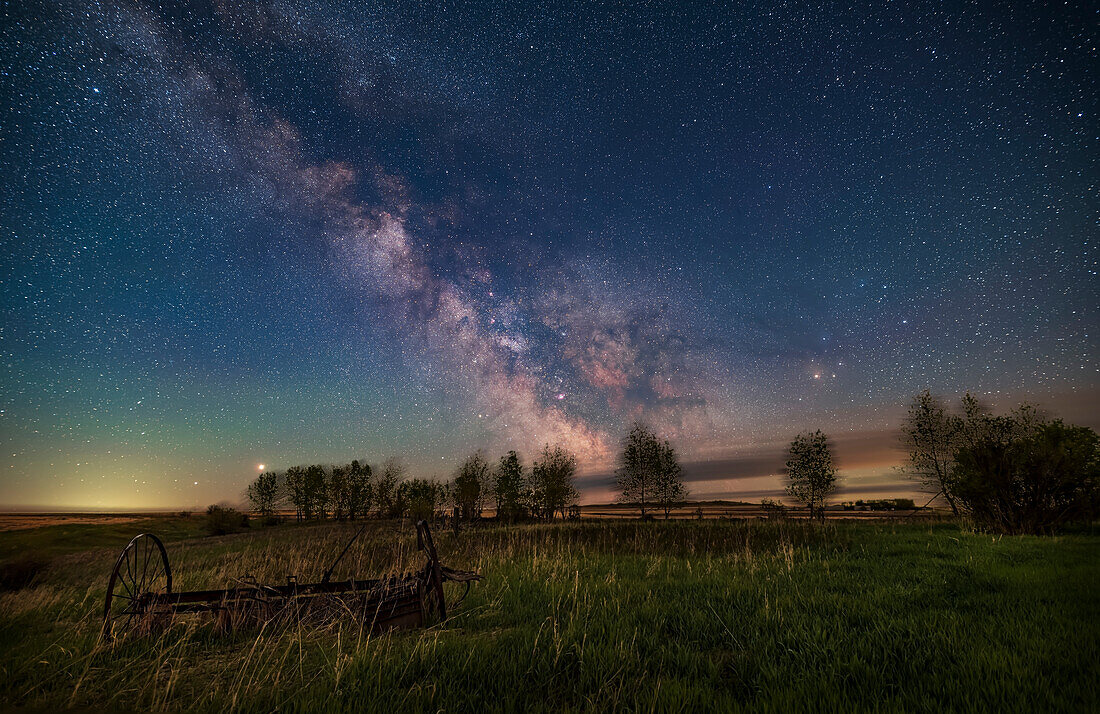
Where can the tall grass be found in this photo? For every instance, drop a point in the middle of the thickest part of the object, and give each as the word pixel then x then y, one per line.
pixel 679 616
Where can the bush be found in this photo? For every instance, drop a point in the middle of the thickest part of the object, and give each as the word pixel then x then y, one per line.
pixel 882 504
pixel 1022 477
pixel 773 509
pixel 222 520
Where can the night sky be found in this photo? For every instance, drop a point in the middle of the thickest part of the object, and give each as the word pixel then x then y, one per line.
pixel 289 233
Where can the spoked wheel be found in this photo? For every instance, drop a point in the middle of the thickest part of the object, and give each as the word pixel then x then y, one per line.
pixel 141 572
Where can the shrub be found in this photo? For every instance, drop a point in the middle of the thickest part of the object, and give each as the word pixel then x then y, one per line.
pixel 882 504
pixel 773 509
pixel 222 520
pixel 1029 476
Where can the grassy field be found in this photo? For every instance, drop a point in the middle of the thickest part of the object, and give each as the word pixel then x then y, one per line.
pixel 608 615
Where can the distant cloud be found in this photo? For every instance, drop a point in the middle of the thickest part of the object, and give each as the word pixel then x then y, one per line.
pixel 741 474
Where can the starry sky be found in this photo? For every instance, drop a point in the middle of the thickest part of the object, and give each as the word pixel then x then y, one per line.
pixel 295 232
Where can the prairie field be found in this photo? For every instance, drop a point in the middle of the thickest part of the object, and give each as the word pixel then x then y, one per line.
pixel 706 615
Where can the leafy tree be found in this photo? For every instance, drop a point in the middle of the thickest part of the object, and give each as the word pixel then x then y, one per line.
pixel 976 421
pixel 638 465
pixel 669 489
pixel 339 492
pixel 421 497
pixel 469 484
pixel 811 475
pixel 508 486
pixel 297 491
pixel 386 496
pixel 649 472
pixel 317 496
pixel 263 493
pixel 360 489
pixel 935 439
pixel 552 477
pixel 932 435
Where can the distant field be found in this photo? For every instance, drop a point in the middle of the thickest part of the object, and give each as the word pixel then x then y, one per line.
pixel 21 521
pixel 596 615
pixel 724 509
pixel 706 509
pixel 39 538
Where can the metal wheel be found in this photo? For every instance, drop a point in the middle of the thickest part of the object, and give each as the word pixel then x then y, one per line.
pixel 140 572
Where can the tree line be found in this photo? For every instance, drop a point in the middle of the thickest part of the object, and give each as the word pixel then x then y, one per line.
pixel 545 490
pixel 1021 472
pixel 648 476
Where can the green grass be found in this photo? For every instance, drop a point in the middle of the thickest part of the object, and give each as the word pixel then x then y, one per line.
pixel 682 616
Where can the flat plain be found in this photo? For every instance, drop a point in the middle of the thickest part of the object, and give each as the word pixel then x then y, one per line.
pixel 596 615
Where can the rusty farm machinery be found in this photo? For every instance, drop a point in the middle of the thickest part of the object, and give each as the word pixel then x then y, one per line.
pixel 140 597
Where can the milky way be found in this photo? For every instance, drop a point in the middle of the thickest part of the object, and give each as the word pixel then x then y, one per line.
pixel 286 233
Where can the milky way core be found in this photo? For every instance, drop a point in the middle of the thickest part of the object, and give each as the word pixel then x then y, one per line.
pixel 256 234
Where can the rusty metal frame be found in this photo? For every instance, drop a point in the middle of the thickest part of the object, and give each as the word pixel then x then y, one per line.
pixel 139 598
